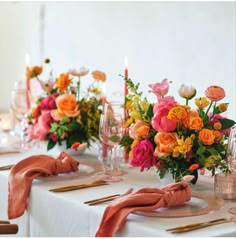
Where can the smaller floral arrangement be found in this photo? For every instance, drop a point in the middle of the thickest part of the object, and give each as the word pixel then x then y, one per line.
pixel 61 113
pixel 175 137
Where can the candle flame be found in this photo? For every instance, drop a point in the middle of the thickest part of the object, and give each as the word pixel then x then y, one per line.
pixel 27 59
pixel 126 62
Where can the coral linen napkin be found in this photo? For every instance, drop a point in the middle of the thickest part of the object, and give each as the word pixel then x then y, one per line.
pixel 23 173
pixel 145 199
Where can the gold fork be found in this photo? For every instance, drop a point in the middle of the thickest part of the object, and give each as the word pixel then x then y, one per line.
pixel 107 198
pixel 79 186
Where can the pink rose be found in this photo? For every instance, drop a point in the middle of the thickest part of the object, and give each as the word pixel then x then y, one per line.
pixel 160 122
pixel 160 89
pixel 143 156
pixel 215 93
pixel 41 128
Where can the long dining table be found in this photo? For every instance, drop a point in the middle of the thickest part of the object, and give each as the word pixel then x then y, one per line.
pixel 64 214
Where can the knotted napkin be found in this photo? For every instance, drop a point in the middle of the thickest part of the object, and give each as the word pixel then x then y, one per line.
pixel 145 199
pixel 23 173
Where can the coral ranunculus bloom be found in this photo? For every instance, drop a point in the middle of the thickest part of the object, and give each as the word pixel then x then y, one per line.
pixel 215 93
pixel 206 136
pixel 99 75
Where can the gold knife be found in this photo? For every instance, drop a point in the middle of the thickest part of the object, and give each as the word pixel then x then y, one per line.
pixel 191 227
pixel 6 167
pixel 79 186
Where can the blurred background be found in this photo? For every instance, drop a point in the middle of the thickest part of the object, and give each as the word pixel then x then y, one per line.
pixel 186 42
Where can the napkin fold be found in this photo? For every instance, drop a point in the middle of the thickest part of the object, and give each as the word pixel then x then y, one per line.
pixel 23 173
pixel 145 199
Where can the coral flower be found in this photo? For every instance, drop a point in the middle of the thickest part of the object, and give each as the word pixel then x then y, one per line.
pixel 63 81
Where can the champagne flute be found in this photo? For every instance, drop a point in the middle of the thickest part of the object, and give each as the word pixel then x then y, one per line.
pixel 231 149
pixel 110 134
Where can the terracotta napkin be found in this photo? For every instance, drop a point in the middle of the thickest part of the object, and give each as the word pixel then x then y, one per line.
pixel 23 173
pixel 145 199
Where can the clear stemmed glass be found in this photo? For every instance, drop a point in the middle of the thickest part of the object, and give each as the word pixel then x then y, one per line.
pixel 110 133
pixel 19 108
pixel 231 149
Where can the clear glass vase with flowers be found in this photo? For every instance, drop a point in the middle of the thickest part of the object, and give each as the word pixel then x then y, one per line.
pixel 173 137
pixel 61 114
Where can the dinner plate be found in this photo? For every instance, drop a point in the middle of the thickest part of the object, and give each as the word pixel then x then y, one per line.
pixel 86 167
pixel 200 203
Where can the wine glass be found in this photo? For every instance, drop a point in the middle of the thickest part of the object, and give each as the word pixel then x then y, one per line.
pixel 19 107
pixel 110 133
pixel 231 149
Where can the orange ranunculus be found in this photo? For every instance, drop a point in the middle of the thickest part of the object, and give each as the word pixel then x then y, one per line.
pixel 63 81
pixel 206 136
pixel 215 93
pixel 194 167
pixel 34 71
pixel 177 113
pixel 218 135
pixel 66 106
pixel 165 142
pixel 193 121
pixel 99 75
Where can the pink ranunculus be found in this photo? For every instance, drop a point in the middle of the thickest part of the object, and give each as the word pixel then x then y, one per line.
pixel 143 155
pixel 160 89
pixel 160 122
pixel 215 93
pixel 48 103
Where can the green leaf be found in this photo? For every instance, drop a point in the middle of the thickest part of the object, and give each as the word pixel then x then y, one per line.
pixel 51 144
pixel 54 127
pixel 227 123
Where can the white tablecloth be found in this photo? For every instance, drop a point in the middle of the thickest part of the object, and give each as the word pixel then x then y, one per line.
pixel 65 215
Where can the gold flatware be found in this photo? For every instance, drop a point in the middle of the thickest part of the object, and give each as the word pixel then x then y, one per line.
pixel 10 151
pixel 6 167
pixel 79 186
pixel 194 226
pixel 107 198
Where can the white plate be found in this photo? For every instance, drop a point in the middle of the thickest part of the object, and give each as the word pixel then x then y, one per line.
pixel 86 167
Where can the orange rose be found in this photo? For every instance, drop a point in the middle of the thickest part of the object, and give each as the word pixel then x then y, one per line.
pixel 143 131
pixel 193 121
pixel 139 129
pixel 206 136
pixel 66 106
pixel 34 71
pixel 215 93
pixel 165 143
pixel 99 75
pixel 177 113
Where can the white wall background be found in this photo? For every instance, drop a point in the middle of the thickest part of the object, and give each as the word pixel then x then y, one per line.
pixel 187 42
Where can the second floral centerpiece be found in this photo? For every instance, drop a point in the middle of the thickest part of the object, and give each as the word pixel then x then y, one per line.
pixel 174 137
pixel 61 113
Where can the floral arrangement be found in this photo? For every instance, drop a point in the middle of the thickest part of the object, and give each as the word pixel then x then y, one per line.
pixel 60 114
pixel 174 137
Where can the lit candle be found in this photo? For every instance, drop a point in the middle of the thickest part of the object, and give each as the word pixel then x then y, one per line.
pixel 104 98
pixel 27 61
pixel 126 76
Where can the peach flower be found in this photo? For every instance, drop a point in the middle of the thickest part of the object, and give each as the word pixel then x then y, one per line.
pixel 99 75
pixel 215 93
pixel 139 129
pixel 34 71
pixel 63 81
pixel 177 113
pixel 66 106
